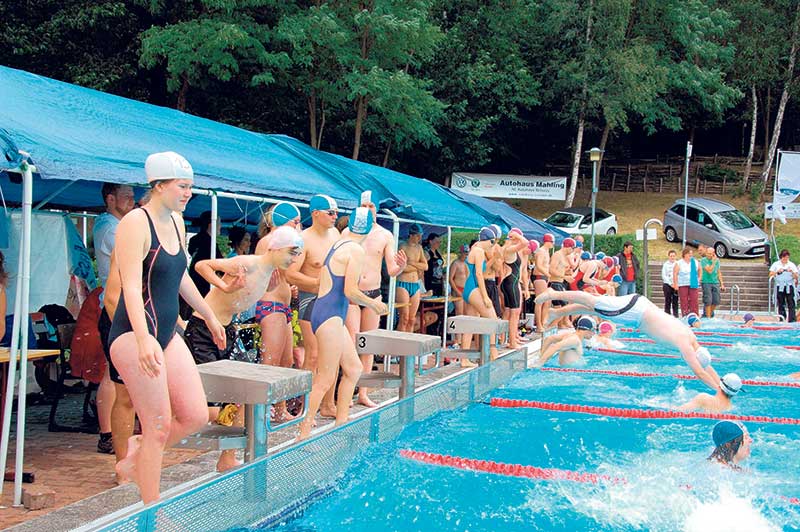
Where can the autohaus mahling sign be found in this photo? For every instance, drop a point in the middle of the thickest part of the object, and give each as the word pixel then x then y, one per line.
pixel 510 186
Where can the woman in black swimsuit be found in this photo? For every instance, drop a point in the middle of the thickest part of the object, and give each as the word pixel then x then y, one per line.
pixel 155 364
pixel 510 285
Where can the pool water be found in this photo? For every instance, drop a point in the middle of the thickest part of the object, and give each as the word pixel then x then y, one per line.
pixel 666 482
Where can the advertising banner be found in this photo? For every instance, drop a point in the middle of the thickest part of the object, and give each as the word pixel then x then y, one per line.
pixel 511 186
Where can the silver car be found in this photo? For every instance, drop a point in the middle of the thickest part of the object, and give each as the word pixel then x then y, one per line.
pixel 715 223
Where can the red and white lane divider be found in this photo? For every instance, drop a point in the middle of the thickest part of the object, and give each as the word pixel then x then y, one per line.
pixel 704 333
pixel 749 382
pixel 642 354
pixel 523 471
pixel 650 341
pixel 637 413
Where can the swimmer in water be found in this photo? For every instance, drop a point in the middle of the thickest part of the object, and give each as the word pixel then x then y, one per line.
pixel 638 312
pixel 692 320
pixel 722 401
pixel 732 443
pixel 749 321
pixel 569 346
pixel 339 280
pixel 605 336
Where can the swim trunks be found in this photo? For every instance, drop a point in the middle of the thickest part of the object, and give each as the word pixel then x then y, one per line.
pixel 201 342
pixel 411 288
pixel 626 310
pixel 265 308
pixel 494 295
pixel 537 277
pixel 305 304
pixel 558 286
pixel 372 294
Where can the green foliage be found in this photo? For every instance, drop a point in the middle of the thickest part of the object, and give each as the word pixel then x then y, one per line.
pixel 718 174
pixel 458 239
pixel 790 242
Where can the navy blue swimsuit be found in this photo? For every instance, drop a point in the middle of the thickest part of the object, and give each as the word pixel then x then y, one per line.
pixel 334 303
pixel 161 280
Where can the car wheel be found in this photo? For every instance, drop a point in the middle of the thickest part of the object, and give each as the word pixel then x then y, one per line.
pixel 720 250
pixel 670 234
pixel 611 231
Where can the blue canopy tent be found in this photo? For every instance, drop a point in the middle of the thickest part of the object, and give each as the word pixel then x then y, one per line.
pixel 531 227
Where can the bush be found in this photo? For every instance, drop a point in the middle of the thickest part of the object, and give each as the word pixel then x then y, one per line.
pixel 717 174
pixel 459 238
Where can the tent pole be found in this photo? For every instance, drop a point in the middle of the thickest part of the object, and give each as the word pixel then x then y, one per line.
pixel 85 229
pixel 213 252
pixel 27 201
pixel 12 367
pixel 392 282
pixel 446 283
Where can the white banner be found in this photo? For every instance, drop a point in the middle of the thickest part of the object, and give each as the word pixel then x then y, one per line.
pixel 787 188
pixel 510 186
pixel 789 212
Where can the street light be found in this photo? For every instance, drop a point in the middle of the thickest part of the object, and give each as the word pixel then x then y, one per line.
pixel 594 155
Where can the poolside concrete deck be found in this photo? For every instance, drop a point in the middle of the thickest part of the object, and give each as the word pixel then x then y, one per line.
pixel 84 480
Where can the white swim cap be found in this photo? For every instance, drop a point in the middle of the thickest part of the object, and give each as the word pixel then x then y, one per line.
pixel 285 237
pixel 167 165
pixel 731 384
pixel 703 356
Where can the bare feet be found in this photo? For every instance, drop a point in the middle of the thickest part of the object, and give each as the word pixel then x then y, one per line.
pixel 547 295
pixel 327 411
pixel 282 416
pixel 126 468
pixel 363 399
pixel 467 363
pixel 305 430
pixel 493 353
pixel 227 460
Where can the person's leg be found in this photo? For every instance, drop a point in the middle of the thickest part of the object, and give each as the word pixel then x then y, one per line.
pixel 309 346
pixel 667 290
pixel 105 404
pixel 401 298
pixel 413 308
pixel 675 310
pixel 275 345
pixel 790 304
pixel 459 312
pixel 693 300
pixel 476 301
pixel 369 322
pixel 683 293
pixel 351 371
pixel 122 421
pixel 329 336
pixel 539 287
pixel 574 296
pixel 513 328
pixel 781 303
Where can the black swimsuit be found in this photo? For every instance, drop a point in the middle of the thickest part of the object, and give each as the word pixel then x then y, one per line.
pixel 161 280
pixel 510 286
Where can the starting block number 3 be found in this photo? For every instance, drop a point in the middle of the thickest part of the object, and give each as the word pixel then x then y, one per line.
pixel 362 342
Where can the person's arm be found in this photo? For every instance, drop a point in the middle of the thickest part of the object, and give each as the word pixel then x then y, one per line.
pixel 352 274
pixel 421 264
pixel 302 281
pixel 233 268
pixel 570 341
pixel 675 270
pixel 515 242
pixel 395 262
pixel 719 276
pixel 480 281
pixel 710 267
pixel 452 279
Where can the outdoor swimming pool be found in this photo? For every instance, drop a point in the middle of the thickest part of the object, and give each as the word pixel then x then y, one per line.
pixel 658 477
pixel 446 459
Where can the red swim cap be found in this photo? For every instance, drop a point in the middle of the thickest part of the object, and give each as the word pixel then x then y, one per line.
pixel 608 261
pixel 533 245
pixel 515 230
pixel 548 237
pixel 568 243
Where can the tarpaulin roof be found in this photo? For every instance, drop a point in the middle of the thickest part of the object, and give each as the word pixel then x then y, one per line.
pixel 79 134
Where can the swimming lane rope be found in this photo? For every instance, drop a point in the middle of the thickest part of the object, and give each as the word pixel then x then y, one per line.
pixel 638 413
pixel 650 341
pixel 641 354
pixel 705 333
pixel 618 373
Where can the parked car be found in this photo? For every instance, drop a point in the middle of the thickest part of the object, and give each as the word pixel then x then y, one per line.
pixel 715 223
pixel 578 221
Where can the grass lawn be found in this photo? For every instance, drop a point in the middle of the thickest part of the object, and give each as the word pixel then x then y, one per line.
pixel 634 208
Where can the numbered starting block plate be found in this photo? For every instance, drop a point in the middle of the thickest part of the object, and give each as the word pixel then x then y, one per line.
pixel 475 325
pixel 395 343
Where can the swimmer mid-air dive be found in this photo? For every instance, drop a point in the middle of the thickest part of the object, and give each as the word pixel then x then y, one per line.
pixel 637 311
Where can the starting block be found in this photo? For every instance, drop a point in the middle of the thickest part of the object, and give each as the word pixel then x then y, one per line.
pixel 256 387
pixel 405 345
pixel 483 327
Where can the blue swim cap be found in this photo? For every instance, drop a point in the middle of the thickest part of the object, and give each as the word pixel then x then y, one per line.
pixel 692 318
pixel 487 233
pixel 586 323
pixel 748 317
pixel 578 244
pixel 586 255
pixel 600 255
pixel 617 278
pixel 361 221
pixel 497 231
pixel 414 229
pixel 321 202
pixel 283 213
pixel 725 431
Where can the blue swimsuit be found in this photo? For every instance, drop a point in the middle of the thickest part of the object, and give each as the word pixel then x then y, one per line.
pixel 334 303
pixel 472 281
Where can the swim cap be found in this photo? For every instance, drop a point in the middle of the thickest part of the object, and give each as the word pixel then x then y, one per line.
pixel 585 323
pixel 578 244
pixel 606 327
pixel 616 260
pixel 617 278
pixel 548 237
pixel 692 318
pixel 366 197
pixel 725 431
pixel 748 317
pixel 703 356
pixel 321 202
pixel 414 229
pixel 515 230
pixel 586 256
pixel 487 233
pixel 533 245
pixel 608 261
pixel 285 237
pixel 568 243
pixel 730 384
pixel 167 165
pixel 599 255
pixel 464 248
pixel 497 231
pixel 361 221
pixel 283 213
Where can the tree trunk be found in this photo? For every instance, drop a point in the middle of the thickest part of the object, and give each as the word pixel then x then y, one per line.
pixel 767 112
pixel 386 153
pixel 776 133
pixel 181 105
pixel 312 118
pixel 753 126
pixel 321 124
pixel 361 113
pixel 576 160
pixel 603 144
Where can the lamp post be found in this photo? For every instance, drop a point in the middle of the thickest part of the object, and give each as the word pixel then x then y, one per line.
pixel 686 189
pixel 594 156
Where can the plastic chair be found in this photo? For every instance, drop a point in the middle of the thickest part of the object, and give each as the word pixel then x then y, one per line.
pixel 65 333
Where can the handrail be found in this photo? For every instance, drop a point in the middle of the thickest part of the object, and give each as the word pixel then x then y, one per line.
pixel 645 280
pixel 738 298
pixel 770 295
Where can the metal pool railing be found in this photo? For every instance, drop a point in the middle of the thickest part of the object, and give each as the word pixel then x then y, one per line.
pixel 273 488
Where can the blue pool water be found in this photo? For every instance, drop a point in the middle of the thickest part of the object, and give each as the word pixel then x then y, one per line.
pixel 669 483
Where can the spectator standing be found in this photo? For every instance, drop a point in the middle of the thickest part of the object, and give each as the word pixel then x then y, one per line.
pixel 629 269
pixel 200 249
pixel 785 273
pixel 119 201
pixel 686 280
pixel 670 294
pixel 434 275
pixel 711 281
pixel 239 240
